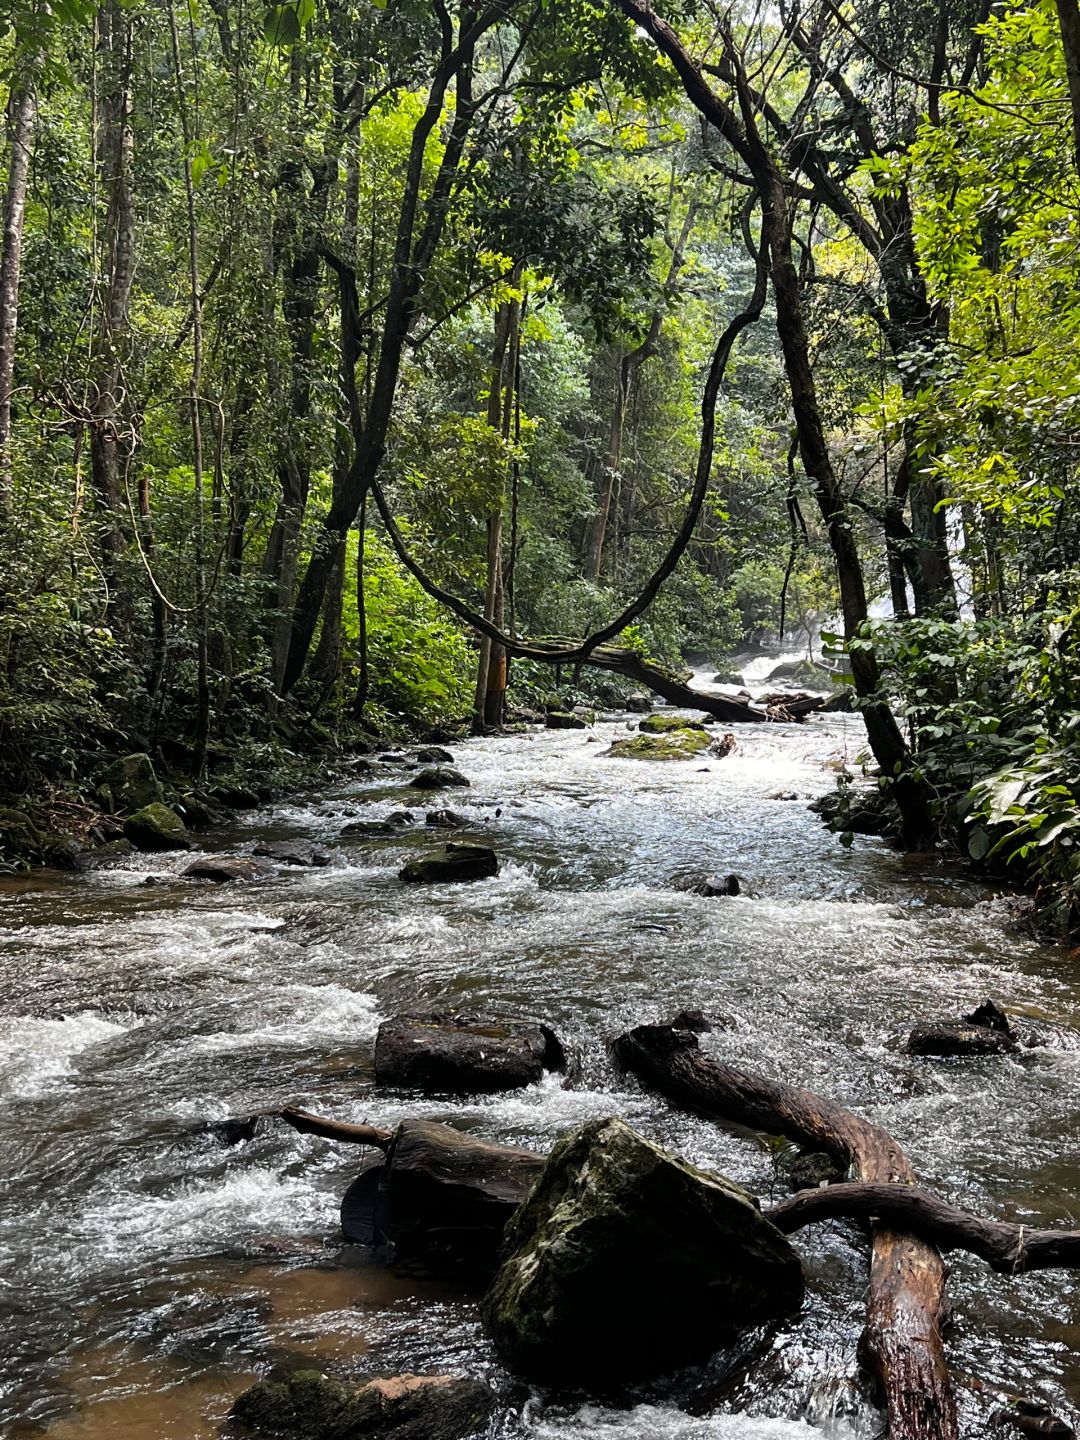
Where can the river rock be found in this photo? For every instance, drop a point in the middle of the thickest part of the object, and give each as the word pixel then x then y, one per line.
pixel 710 885
pixel 156 827
pixel 565 720
pixel 433 755
pixel 445 819
pixel 624 1261
pixel 457 862
pixel 639 703
pixel 665 724
pixel 292 852
pixel 726 745
pixel 949 1039
pixel 988 1014
pixel 391 824
pixel 237 797
pixel 308 1406
pixel 438 777
pixel 812 1169
pixel 682 742
pixel 130 784
pixel 463 1054
pixel 224 868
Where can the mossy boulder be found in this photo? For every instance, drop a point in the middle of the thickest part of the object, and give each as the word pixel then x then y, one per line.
pixel 668 724
pixel 625 1261
pixel 20 838
pixel 130 784
pixel 156 827
pixel 308 1406
pixel 677 744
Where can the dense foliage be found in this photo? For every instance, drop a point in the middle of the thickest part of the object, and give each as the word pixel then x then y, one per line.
pixel 329 327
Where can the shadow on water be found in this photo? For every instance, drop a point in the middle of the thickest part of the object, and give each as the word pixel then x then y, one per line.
pixel 149 1271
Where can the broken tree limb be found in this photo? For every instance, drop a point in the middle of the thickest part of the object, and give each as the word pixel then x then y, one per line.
pixel 901 1344
pixel 1009 1249
pixel 309 1124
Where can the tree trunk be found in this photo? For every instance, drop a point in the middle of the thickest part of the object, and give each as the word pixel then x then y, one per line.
pixel 116 146
pixel 22 117
pixel 1068 13
pixel 901 1343
pixel 491 659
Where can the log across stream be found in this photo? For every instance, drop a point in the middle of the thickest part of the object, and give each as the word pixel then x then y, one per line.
pixel 133 1014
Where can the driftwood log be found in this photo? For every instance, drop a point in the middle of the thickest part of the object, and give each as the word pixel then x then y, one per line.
pixel 654 677
pixel 309 1124
pixel 1009 1249
pixel 440 1198
pixel 901 1345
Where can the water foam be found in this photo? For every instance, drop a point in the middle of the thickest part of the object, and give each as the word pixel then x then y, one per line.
pixel 36 1054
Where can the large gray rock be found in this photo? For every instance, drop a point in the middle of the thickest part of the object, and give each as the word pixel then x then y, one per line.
pixel 223 868
pixel 625 1261
pixel 463 1054
pixel 308 1406
pixel 130 784
pixel 156 827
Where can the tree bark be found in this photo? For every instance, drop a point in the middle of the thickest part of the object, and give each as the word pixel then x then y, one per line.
pixel 901 1344
pixel 22 113
pixel 1068 12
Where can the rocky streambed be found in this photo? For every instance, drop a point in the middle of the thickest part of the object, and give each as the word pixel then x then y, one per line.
pixel 152 1271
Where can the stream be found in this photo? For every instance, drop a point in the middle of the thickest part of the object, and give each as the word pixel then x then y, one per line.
pixel 148 1271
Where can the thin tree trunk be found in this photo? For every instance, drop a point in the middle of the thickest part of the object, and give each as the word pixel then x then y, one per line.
pixel 1068 13
pixel 22 114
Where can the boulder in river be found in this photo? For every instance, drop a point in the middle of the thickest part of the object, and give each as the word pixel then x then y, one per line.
pixel 710 885
pixel 639 703
pixel 440 1199
pixel 565 720
pixel 666 724
pixel 292 852
pixel 391 824
pixel 949 1039
pixel 624 1261
pixel 156 827
pixel 464 1054
pixel 433 755
pixel 445 819
pixel 224 868
pixel 680 743
pixel 457 862
pixel 438 777
pixel 308 1406
pixel 130 784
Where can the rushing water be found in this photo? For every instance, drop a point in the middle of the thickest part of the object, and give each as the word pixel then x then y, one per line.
pixel 147 1271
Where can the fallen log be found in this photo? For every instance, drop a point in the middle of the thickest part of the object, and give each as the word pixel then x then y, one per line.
pixel 309 1124
pixel 901 1345
pixel 441 1198
pixel 1009 1249
pixel 654 677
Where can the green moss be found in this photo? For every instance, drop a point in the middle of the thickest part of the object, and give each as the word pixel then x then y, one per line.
pixel 680 744
pixel 156 827
pixel 667 724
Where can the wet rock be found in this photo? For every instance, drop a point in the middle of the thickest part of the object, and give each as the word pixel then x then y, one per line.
pixel 237 797
pixel 667 724
pixel 783 795
pixel 625 1261
pixel 111 850
pixel 464 1054
pixel 445 819
pixel 948 1040
pixel 812 1170
pixel 1030 1417
pixel 130 784
pixel 391 824
pixel 156 827
pixel 401 818
pixel 438 777
pixel 224 868
pixel 456 863
pixel 308 1406
pixel 729 675
pixel 565 720
pixel 639 703
pixel 726 745
pixel 292 852
pixel 710 885
pixel 841 703
pixel 393 757
pixel 200 814
pixel 700 1023
pixel 236 1130
pixel 989 1015
pixel 433 755
pixel 681 743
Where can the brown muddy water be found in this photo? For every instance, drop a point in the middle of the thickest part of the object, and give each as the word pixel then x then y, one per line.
pixel 147 1272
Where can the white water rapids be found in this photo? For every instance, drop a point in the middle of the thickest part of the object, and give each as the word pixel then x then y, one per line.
pixel 148 1272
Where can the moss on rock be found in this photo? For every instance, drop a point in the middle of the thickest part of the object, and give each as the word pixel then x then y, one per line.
pixel 680 743
pixel 668 724
pixel 156 827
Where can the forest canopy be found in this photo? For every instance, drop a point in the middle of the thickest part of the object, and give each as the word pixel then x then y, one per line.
pixel 348 348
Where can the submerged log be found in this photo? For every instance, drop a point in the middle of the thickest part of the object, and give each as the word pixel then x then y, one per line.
pixel 901 1344
pixel 308 1124
pixel 1009 1249
pixel 441 1199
